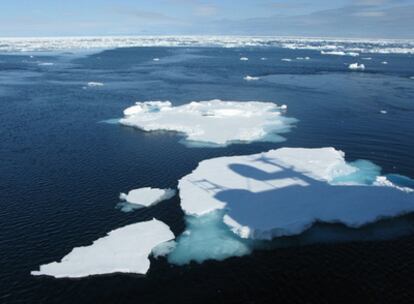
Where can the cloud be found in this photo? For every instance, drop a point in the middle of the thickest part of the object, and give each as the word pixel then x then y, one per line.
pixel 205 9
pixel 369 14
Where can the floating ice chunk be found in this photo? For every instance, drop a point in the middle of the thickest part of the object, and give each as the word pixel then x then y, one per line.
pixel 212 122
pixel 147 196
pixel 384 62
pixel 337 53
pixel 250 78
pixel 366 58
pixel 124 249
pixel 244 58
pixel 45 64
pixel 156 59
pixel 286 59
pixel 93 84
pixel 302 58
pixel 263 58
pixel 283 192
pixel 353 54
pixel 356 66
pixel 383 112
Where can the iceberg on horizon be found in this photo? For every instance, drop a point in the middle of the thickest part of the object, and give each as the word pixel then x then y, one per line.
pixel 212 123
pixel 123 250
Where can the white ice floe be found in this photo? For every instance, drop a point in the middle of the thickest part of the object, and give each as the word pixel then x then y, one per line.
pixel 156 59
pixel 283 192
pixel 366 58
pixel 263 58
pixel 302 58
pixel 251 78
pixel 340 53
pixel 45 64
pixel 147 196
pixel 92 84
pixel 355 66
pixel 124 249
pixel 384 62
pixel 383 112
pixel 212 122
pixel 244 58
pixel 286 59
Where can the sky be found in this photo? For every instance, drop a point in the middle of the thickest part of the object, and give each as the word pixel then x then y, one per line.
pixel 321 18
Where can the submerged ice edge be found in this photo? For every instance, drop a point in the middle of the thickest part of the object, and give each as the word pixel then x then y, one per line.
pixel 404 46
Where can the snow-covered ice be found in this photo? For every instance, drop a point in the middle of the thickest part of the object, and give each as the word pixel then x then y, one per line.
pixel 147 196
pixel 124 249
pixel 283 192
pixel 383 112
pixel 214 122
pixel 244 58
pixel 156 59
pixel 250 78
pixel 355 66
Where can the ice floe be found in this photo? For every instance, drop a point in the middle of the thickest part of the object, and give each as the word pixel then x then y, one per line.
pixel 383 112
pixel 283 192
pixel 124 249
pixel 214 122
pixel 384 62
pixel 355 66
pixel 251 78
pixel 156 59
pixel 147 196
pixel 92 84
pixel 244 58
pixel 286 59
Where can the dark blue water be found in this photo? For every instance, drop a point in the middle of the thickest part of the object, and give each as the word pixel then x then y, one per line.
pixel 61 170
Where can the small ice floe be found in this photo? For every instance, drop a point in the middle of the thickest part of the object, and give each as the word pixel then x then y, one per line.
pixel 356 66
pixel 286 59
pixel 212 123
pixel 244 58
pixel 124 250
pixel 146 197
pixel 384 62
pixel 93 84
pixel 383 112
pixel 156 59
pixel 340 53
pixel 366 58
pixel 251 78
pixel 45 64
pixel 302 58
pixel 278 193
pixel 263 58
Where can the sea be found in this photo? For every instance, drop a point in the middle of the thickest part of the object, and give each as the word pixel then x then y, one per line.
pixel 64 160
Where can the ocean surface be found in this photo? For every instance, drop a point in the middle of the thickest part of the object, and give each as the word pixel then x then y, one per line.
pixel 63 165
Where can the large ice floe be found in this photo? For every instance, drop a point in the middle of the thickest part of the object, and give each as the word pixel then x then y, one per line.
pixel 284 192
pixel 144 197
pixel 214 122
pixel 124 249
